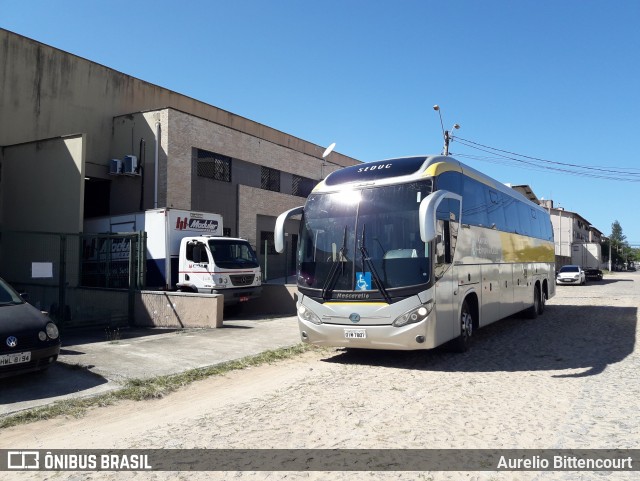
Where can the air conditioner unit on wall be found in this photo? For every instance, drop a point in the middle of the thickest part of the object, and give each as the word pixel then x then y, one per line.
pixel 115 167
pixel 130 165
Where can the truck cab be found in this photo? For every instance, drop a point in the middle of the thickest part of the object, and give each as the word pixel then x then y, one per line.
pixel 219 265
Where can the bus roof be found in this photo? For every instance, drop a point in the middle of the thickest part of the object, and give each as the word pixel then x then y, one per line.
pixel 407 169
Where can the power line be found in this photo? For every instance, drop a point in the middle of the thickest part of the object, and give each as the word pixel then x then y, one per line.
pixel 622 174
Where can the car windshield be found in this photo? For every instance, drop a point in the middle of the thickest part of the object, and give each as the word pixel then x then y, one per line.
pixel 570 269
pixel 8 296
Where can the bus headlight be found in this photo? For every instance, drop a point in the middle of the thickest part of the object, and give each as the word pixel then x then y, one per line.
pixel 308 315
pixel 418 314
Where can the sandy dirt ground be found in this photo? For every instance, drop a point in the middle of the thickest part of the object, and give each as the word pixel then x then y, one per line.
pixel 568 379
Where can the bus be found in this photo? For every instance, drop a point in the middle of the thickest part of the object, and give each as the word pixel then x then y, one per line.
pixel 411 253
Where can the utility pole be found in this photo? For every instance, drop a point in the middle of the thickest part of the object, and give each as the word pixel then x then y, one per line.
pixel 448 137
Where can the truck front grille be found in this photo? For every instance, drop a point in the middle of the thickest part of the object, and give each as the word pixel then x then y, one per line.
pixel 242 279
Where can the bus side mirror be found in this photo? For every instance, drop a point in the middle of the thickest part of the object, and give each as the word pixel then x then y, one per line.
pixel 427 213
pixel 279 230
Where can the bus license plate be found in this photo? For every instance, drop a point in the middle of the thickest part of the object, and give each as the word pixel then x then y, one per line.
pixel 355 333
pixel 17 358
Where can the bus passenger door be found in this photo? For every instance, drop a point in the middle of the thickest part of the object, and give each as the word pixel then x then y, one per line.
pixel 446 285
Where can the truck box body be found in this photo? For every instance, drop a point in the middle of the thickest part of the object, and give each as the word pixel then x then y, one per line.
pixel 588 255
pixel 165 229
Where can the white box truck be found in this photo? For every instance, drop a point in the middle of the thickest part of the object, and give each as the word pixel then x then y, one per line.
pixel 185 251
pixel 588 255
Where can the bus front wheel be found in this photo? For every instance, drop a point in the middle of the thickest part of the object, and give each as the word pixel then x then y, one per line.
pixel 463 341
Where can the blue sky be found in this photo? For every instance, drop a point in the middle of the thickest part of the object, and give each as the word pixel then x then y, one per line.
pixel 553 80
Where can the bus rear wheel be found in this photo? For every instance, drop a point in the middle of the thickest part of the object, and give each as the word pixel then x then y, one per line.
pixel 534 310
pixel 543 302
pixel 463 341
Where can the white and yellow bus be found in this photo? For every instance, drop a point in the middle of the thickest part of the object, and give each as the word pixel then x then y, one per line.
pixel 413 252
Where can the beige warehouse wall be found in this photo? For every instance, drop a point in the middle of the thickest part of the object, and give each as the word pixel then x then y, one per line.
pixel 127 132
pixel 41 180
pixel 45 92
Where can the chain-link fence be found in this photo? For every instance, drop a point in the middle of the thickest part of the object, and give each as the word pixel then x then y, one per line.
pixel 80 279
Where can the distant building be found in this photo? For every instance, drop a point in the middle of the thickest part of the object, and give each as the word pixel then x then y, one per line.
pixel 569 228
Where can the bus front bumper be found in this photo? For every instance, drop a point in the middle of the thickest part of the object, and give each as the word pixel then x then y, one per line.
pixel 406 338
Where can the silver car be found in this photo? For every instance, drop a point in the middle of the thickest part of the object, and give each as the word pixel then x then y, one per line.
pixel 571 275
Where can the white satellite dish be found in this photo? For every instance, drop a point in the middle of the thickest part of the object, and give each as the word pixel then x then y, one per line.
pixel 329 150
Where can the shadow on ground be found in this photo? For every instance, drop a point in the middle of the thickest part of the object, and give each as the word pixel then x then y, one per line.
pixel 58 380
pixel 565 338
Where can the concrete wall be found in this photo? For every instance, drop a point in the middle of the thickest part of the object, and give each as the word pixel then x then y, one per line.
pixel 276 299
pixel 46 92
pixel 128 130
pixel 42 185
pixel 178 310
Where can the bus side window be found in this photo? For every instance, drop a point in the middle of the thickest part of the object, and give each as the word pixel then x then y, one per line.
pixel 512 216
pixel 495 210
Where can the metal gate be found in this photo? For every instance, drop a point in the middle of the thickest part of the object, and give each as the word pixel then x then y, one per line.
pixel 80 279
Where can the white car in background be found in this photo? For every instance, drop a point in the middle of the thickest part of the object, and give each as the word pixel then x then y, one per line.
pixel 571 275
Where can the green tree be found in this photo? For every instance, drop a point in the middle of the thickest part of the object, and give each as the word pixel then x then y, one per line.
pixel 617 236
pixel 619 246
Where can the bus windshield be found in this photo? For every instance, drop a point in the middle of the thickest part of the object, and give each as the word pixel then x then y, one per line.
pixel 331 254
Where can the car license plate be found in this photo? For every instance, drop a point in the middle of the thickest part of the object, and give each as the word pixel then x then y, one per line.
pixel 355 333
pixel 16 358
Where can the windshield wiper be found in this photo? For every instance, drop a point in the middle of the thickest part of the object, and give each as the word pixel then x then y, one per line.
pixel 339 260
pixel 366 259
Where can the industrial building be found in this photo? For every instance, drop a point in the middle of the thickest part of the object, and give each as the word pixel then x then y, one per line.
pixel 80 140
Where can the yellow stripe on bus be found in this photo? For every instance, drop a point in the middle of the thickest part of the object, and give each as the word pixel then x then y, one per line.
pixel 441 167
pixel 518 248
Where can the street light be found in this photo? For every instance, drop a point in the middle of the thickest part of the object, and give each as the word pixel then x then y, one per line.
pixel 326 153
pixel 445 133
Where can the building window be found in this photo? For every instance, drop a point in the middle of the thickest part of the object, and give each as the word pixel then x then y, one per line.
pixel 270 179
pixel 301 186
pixel 213 166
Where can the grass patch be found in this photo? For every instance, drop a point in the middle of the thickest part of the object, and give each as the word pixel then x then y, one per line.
pixel 154 388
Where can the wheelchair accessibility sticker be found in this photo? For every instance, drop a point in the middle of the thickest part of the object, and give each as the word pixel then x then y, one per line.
pixel 363 281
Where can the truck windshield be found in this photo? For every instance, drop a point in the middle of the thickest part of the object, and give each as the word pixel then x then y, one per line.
pixel 331 240
pixel 233 254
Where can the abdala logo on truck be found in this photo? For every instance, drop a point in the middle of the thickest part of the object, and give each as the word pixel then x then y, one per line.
pixel 208 225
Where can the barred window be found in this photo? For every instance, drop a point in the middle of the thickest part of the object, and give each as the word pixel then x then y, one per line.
pixel 214 166
pixel 270 179
pixel 301 186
